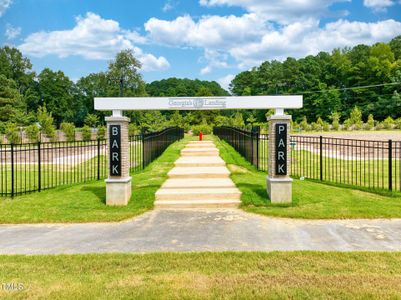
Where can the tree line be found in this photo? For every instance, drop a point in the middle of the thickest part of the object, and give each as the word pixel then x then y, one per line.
pixel 367 77
pixel 333 84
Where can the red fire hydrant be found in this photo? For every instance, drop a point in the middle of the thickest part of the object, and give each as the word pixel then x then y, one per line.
pixel 200 135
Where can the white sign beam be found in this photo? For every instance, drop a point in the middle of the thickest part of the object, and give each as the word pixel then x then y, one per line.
pixel 198 103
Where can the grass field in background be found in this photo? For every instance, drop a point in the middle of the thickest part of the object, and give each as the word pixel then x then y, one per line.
pixel 311 200
pixel 251 275
pixel 86 202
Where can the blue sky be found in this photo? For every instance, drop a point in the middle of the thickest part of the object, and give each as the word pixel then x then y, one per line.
pixel 205 39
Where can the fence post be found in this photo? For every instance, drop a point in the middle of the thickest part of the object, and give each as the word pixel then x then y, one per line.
pixel 98 159
pixel 12 170
pixel 39 176
pixel 390 165
pixel 143 148
pixel 321 157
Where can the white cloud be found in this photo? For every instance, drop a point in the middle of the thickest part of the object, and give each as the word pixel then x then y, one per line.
pixel 215 32
pixel 249 39
pixel 304 38
pixel 169 5
pixel 4 5
pixel 12 32
pixel 282 11
pixel 92 38
pixel 225 81
pixel 378 5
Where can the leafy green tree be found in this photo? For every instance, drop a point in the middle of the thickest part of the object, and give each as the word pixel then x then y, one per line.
pixel 395 45
pixel 176 119
pixel 16 67
pixel 238 120
pixel 11 101
pixel 125 67
pixel 57 89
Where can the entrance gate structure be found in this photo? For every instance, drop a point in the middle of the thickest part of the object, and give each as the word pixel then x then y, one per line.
pixel 278 181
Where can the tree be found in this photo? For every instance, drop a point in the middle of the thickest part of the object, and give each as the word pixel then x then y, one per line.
pixel 10 100
pixel 124 69
pixel 69 131
pixel 395 45
pixel 16 67
pixel 56 89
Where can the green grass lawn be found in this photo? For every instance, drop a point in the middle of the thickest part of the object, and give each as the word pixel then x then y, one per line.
pixel 311 200
pixel 86 202
pixel 275 275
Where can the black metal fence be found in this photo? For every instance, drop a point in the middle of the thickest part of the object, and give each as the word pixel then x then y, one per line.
pixel 363 163
pixel 39 166
pixel 245 142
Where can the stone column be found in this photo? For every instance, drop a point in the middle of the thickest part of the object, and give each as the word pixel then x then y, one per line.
pixel 278 181
pixel 118 183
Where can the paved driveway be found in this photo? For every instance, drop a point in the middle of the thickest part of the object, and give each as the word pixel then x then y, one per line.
pixel 202 230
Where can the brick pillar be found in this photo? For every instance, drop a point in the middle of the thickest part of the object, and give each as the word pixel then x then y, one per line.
pixel 279 185
pixel 118 183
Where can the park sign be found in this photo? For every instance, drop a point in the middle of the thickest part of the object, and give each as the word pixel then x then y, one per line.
pixel 198 103
pixel 281 149
pixel 115 150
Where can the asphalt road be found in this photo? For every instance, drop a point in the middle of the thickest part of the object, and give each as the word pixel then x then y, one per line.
pixel 202 230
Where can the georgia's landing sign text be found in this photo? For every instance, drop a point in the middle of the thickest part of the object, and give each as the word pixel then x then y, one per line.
pixel 281 149
pixel 198 103
pixel 115 150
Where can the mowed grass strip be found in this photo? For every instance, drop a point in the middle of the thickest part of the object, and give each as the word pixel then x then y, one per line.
pixel 311 200
pixel 86 202
pixel 251 275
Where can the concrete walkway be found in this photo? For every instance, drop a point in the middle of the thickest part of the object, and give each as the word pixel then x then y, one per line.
pixel 199 179
pixel 201 230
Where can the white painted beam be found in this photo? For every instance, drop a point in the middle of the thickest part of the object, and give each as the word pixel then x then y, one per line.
pixel 198 103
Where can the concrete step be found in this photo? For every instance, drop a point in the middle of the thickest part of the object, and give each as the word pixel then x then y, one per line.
pixel 199 161
pixel 199 145
pixel 199 172
pixel 198 194
pixel 198 183
pixel 212 203
pixel 199 152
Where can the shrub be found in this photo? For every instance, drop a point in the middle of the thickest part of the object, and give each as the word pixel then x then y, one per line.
pixel 347 124
pixel 326 126
pixel 101 132
pixel 397 123
pixel 86 133
pixel 69 131
pixel 12 133
pixel 335 117
pixel 388 123
pixel 133 129
pixel 304 124
pixel 380 126
pixel 316 126
pixel 32 132
pixel 205 129
pixel 91 120
pixel 371 122
pixel 46 123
